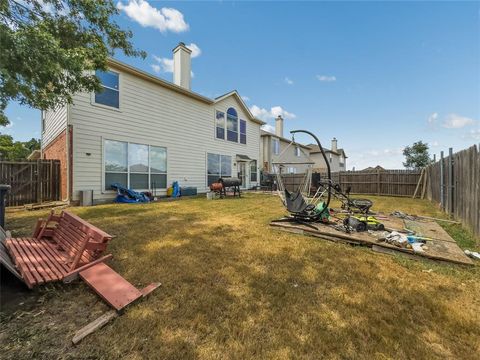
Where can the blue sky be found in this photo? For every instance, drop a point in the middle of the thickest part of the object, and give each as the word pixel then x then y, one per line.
pixel 376 75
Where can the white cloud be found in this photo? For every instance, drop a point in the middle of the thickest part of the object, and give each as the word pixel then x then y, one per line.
pixel 435 143
pixel 389 158
pixel 288 81
pixel 454 121
pixel 432 118
pixel 156 68
pixel 165 65
pixel 164 19
pixel 269 128
pixel 196 51
pixel 326 78
pixel 8 126
pixel 473 134
pixel 275 111
pixel 245 98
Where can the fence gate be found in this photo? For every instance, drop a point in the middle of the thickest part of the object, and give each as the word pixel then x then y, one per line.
pixel 31 181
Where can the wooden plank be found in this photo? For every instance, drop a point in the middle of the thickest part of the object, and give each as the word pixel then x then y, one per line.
pixel 41 265
pixel 50 266
pixel 22 264
pixel 6 261
pixel 72 275
pixel 109 285
pixel 94 326
pixel 34 261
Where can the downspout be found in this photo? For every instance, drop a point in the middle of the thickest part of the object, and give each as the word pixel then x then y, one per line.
pixel 68 151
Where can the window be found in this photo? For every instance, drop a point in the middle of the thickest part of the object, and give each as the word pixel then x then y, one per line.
pixel 276 146
pixel 253 170
pixel 220 125
pixel 243 132
pixel 297 151
pixel 341 161
pixel 109 95
pixel 292 170
pixel 136 166
pixel 232 125
pixel 218 166
pixel 330 156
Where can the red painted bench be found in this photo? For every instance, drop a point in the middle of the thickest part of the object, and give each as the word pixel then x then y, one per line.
pixel 59 249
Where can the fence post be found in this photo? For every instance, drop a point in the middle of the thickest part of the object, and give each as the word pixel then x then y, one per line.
pixel 378 182
pixel 450 180
pixel 442 198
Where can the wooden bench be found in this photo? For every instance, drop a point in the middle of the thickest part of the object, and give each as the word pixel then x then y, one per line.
pixel 60 247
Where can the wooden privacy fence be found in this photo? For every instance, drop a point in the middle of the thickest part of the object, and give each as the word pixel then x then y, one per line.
pixel 453 182
pixel 31 181
pixel 377 182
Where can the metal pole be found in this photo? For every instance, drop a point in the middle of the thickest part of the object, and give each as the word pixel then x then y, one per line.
pixel 434 158
pixel 450 180
pixel 442 198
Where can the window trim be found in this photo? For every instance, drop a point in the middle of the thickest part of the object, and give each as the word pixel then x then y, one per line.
pixel 109 191
pixel 275 140
pixel 237 131
pixel 224 125
pixel 298 151
pixel 240 132
pixel 103 106
pixel 220 168
pixel 255 172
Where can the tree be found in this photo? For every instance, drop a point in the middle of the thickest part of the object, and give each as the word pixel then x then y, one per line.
pixel 50 49
pixel 16 150
pixel 416 156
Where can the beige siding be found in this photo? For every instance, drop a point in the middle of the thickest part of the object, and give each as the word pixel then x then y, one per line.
pixel 334 164
pixel 287 155
pixel 55 123
pixel 153 115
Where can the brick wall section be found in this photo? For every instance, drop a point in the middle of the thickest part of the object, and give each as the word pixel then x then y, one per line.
pixel 57 150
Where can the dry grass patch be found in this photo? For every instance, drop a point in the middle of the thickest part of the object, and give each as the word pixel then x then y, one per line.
pixel 235 288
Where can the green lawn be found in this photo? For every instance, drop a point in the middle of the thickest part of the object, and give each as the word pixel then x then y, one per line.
pixel 232 287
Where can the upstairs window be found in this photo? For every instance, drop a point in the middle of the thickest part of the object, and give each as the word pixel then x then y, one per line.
pixel 275 146
pixel 297 151
pixel 110 94
pixel 232 125
pixel 243 132
pixel 220 125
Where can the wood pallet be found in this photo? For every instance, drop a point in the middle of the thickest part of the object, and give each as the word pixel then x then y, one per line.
pixel 442 247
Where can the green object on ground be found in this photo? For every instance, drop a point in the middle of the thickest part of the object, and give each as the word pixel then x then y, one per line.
pixel 321 209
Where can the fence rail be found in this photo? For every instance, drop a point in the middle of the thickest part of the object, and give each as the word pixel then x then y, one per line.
pixel 453 182
pixel 377 182
pixel 31 181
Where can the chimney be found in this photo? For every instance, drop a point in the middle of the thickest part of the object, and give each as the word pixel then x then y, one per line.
pixel 182 66
pixel 334 144
pixel 279 126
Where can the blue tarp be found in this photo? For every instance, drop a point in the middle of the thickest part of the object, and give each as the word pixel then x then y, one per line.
pixel 125 195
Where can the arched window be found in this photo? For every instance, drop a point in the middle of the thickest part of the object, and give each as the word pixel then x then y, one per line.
pixel 232 125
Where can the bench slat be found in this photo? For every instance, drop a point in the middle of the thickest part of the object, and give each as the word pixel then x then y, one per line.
pixel 50 265
pixel 35 260
pixel 27 263
pixel 40 264
pixel 20 263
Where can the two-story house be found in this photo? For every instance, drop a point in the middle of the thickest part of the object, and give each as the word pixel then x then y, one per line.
pixel 336 157
pixel 145 132
pixel 277 149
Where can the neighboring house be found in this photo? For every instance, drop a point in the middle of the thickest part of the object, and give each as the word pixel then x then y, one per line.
pixel 376 168
pixel 336 157
pixel 274 149
pixel 145 132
